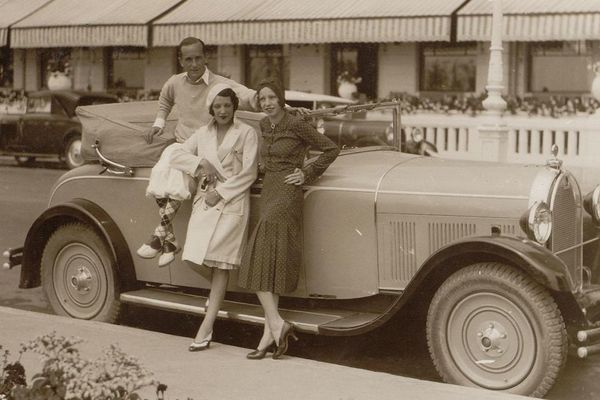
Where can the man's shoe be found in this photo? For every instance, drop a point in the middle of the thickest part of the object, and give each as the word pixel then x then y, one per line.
pixel 150 249
pixel 168 255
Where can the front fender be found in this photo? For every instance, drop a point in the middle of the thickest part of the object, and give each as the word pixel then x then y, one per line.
pixel 536 261
pixel 76 210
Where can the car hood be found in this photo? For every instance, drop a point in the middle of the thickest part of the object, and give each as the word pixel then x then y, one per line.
pixel 362 169
pixel 429 185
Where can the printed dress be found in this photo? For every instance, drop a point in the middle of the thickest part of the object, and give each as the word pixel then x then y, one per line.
pixel 273 256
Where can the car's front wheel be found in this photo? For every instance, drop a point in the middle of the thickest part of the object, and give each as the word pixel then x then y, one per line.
pixel 78 274
pixel 72 156
pixel 489 325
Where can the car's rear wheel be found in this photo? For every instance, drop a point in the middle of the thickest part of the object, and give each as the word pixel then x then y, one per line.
pixel 489 325
pixel 24 161
pixel 78 274
pixel 72 156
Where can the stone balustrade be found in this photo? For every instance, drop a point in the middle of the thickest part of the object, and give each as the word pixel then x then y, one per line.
pixel 528 141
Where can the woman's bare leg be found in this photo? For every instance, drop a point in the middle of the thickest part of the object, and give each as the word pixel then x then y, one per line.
pixel 218 287
pixel 274 322
pixel 267 338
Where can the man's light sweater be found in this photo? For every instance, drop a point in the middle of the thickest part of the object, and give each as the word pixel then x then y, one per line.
pixel 190 98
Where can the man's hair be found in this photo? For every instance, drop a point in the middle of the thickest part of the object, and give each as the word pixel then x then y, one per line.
pixel 228 92
pixel 187 41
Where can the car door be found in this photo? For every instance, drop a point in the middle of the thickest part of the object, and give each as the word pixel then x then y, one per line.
pixel 45 124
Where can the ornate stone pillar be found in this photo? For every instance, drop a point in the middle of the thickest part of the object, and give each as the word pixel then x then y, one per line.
pixel 494 132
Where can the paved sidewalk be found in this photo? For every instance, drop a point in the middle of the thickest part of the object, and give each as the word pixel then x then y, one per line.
pixel 222 372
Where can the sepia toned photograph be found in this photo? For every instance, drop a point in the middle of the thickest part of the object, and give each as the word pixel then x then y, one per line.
pixel 261 199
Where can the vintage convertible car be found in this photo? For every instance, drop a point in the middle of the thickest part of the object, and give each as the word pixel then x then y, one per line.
pixel 48 127
pixel 492 254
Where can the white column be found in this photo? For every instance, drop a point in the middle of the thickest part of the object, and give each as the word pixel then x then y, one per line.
pixel 494 133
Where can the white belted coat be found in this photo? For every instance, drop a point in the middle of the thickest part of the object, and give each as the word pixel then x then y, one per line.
pixel 218 233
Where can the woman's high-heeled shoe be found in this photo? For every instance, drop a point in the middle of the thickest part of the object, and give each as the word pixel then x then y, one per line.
pixel 203 345
pixel 259 354
pixel 287 331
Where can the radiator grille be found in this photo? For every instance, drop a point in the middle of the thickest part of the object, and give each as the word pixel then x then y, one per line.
pixel 441 234
pixel 566 224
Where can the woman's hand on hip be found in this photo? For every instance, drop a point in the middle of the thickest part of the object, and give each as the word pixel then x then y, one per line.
pixel 295 178
pixel 212 198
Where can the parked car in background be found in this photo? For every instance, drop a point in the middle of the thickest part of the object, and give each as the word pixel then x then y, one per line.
pixel 491 255
pixel 48 126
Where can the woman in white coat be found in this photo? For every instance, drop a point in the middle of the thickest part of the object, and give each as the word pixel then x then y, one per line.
pixel 218 225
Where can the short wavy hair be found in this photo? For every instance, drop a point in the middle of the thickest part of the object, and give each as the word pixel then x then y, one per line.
pixel 187 41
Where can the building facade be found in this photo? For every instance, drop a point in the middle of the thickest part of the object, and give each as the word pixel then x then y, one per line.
pixel 429 48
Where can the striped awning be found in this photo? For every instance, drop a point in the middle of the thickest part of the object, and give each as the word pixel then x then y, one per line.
pixel 531 20
pixel 80 23
pixel 308 21
pixel 12 11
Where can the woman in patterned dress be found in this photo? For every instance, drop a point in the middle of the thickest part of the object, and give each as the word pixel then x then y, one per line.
pixel 273 256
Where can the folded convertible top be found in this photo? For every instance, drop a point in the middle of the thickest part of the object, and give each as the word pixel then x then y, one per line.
pixel 119 128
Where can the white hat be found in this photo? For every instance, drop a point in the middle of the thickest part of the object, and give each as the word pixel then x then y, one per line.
pixel 214 91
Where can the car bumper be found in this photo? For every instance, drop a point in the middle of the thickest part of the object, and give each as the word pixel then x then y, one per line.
pixel 13 257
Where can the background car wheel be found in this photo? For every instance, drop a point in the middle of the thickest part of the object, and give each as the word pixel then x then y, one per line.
pixel 73 157
pixel 25 161
pixel 78 274
pixel 491 326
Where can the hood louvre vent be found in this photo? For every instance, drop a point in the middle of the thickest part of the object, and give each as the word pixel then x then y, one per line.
pixel 441 234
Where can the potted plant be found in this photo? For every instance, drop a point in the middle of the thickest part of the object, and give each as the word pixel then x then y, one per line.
pixel 347 84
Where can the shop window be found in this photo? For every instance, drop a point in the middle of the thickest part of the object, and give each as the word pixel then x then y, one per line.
pixel 55 65
pixel 355 63
pixel 448 67
pixel 125 68
pixel 6 67
pixel 267 61
pixel 211 54
pixel 548 60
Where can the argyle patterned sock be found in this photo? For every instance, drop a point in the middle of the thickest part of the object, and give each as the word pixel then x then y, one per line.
pixel 167 209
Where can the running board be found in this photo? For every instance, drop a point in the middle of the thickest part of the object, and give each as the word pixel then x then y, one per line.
pixel 315 321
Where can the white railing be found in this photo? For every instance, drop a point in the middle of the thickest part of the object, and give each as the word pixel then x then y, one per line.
pixel 529 139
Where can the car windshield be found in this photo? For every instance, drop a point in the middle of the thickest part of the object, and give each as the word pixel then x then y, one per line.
pixel 39 104
pixel 91 101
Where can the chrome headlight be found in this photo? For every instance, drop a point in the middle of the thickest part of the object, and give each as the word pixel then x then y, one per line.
pixel 537 222
pixel 591 203
pixel 417 135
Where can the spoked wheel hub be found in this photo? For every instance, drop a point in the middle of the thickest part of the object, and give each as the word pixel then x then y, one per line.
pixel 82 280
pixel 493 339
